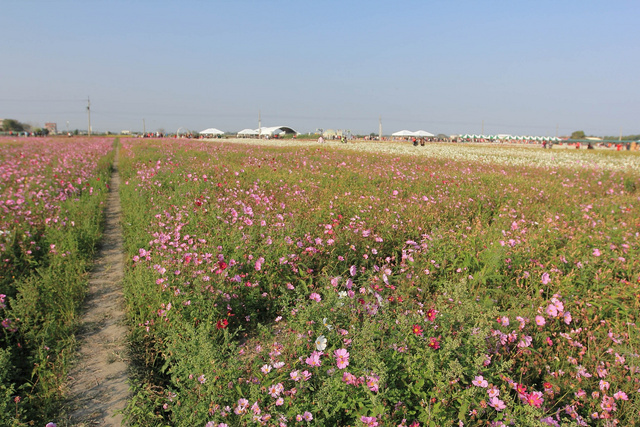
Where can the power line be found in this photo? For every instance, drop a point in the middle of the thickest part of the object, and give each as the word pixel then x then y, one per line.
pixel 41 100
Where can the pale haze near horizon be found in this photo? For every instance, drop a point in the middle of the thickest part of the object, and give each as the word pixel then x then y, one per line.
pixel 514 67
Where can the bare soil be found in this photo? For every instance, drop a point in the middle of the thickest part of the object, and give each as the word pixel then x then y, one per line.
pixel 98 388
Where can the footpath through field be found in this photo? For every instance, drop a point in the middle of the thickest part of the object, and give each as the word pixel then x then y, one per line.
pixel 98 383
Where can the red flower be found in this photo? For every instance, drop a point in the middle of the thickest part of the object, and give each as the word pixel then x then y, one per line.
pixel 223 265
pixel 222 324
pixel 417 329
pixel 431 314
pixel 433 343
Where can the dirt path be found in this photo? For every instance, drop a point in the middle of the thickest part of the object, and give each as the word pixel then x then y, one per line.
pixel 98 387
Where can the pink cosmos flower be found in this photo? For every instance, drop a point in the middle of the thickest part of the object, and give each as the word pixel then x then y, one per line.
pixel 342 358
pixel 552 311
pixel 525 341
pixel 596 252
pixel 256 408
pixel 315 297
pixel 608 404
pixel 567 317
pixel 307 416
pixel 349 378
pixel 479 381
pixel 535 399
pixel 295 375
pixel 621 395
pixel 493 392
pixel 314 359
pixel 497 404
pixel 373 382
pixel 369 421
pixel 545 278
pixel 540 321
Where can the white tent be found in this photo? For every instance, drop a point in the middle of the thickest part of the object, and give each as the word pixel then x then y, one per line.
pixel 211 131
pixel 270 131
pixel 403 133
pixel 422 133
pixel 248 132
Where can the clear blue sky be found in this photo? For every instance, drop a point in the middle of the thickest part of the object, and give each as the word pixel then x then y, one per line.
pixel 522 67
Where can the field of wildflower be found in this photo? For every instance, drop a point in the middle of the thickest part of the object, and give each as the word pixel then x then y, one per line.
pixel 313 285
pixel 51 199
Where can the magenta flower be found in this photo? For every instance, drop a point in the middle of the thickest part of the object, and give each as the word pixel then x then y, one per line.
pixel 307 416
pixel 535 399
pixel 596 252
pixel 315 297
pixel 545 278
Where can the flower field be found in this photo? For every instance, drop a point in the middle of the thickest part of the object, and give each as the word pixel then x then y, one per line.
pixel 51 197
pixel 321 286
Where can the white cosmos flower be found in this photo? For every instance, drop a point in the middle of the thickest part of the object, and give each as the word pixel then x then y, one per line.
pixel 325 322
pixel 489 153
pixel 321 343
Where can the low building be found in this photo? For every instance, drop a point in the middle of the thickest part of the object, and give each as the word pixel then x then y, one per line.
pixel 52 128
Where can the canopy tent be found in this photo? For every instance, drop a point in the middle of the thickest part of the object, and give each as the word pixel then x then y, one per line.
pixel 270 131
pixel 403 133
pixel 248 132
pixel 419 133
pixel 422 133
pixel 267 131
pixel 211 131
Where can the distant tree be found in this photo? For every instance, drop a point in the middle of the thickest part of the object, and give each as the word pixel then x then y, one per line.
pixel 579 134
pixel 12 125
pixel 76 132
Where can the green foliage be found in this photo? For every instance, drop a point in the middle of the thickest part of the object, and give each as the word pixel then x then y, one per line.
pixel 45 278
pixel 579 134
pixel 13 125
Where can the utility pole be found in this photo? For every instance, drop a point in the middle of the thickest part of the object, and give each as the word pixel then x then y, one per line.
pixel 380 128
pixel 89 114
